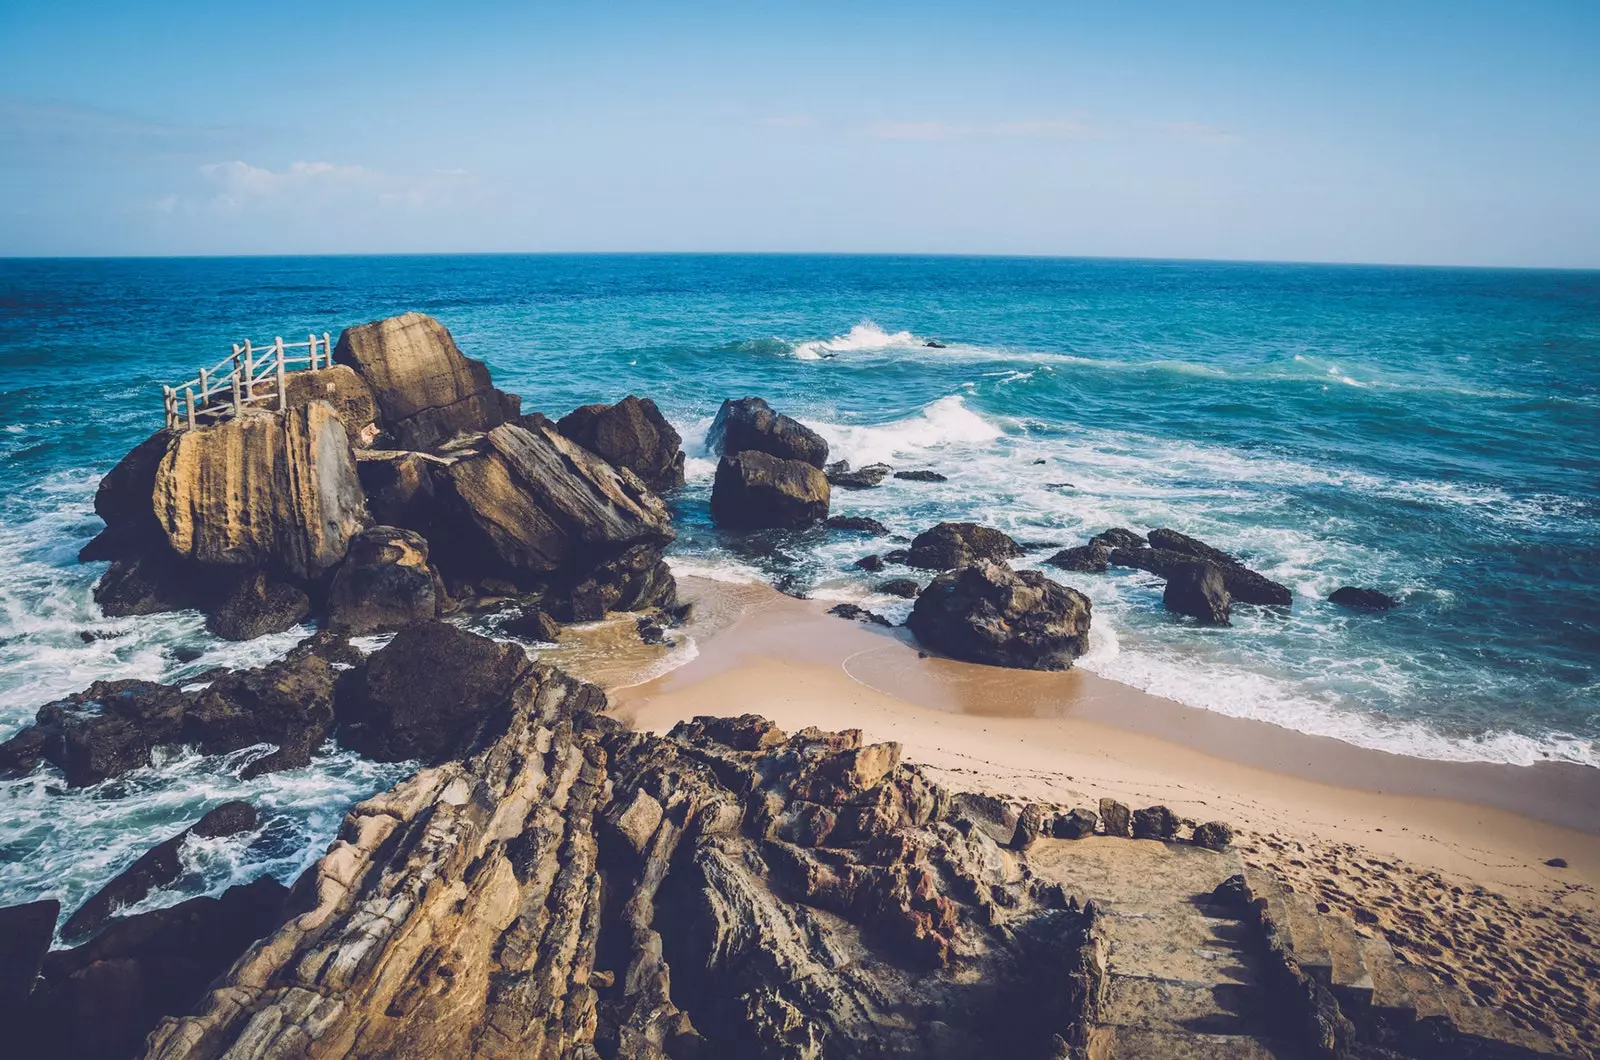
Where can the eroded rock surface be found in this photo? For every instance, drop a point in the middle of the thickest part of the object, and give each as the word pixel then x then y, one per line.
pixel 951 545
pixel 384 583
pixel 1198 590
pixel 632 434
pixel 750 423
pixel 987 613
pixel 754 489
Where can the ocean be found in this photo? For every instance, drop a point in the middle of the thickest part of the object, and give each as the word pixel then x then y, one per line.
pixel 1433 433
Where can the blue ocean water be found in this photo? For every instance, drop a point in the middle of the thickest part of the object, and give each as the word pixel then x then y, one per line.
pixel 1434 433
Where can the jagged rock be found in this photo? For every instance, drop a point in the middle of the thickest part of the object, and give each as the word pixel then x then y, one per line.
pixel 1213 835
pixel 1365 599
pixel 1198 590
pixel 951 545
pixel 257 605
pixel 921 476
pixel 288 703
pixel 262 490
pixel 754 489
pixel 1034 821
pixel 25 935
pixel 905 588
pixel 872 563
pixel 750 423
pixel 428 692
pixel 987 613
pixel 861 478
pixel 426 391
pixel 1118 537
pixel 151 584
pixel 634 581
pixel 532 624
pixel 103 731
pixel 384 583
pixel 346 391
pixel 125 499
pixel 1118 820
pixel 157 867
pixel 1090 558
pixel 631 434
pixel 1074 824
pixel 855 522
pixel 858 614
pixel 98 1001
pixel 1154 822
pixel 399 487
pixel 1243 584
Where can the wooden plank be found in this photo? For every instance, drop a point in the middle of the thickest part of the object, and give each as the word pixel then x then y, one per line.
pixel 283 401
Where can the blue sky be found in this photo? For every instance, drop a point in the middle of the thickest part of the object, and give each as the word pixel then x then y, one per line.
pixel 1454 133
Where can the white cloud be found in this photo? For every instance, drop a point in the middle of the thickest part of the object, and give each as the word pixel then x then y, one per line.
pixel 239 185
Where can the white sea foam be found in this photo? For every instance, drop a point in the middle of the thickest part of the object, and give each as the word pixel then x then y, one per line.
pixel 864 336
pixel 940 425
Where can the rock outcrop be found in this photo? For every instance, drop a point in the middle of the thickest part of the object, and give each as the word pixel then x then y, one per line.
pixel 1363 599
pixel 384 583
pixel 1243 585
pixel 258 604
pixel 860 523
pixel 631 434
pixel 840 474
pixel 951 545
pixel 1090 558
pixel 426 390
pixel 1197 590
pixel 124 500
pixel 750 423
pixel 346 391
pixel 754 490
pixel 987 613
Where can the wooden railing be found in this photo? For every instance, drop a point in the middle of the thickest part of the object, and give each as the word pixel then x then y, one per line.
pixel 237 380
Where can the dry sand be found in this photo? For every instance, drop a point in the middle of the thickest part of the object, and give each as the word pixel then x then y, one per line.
pixel 1446 859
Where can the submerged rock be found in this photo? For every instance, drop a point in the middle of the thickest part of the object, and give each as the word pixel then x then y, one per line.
pixel 532 624
pixel 856 522
pixel 921 476
pixel 987 613
pixel 750 423
pixel 873 562
pixel 288 703
pixel 754 489
pixel 1365 599
pixel 1118 537
pixel 632 434
pixel 103 731
pixel 1198 590
pixel 951 545
pixel 859 479
pixel 905 588
pixel 1243 584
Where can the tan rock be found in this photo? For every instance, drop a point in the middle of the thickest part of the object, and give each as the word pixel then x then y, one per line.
pixel 342 388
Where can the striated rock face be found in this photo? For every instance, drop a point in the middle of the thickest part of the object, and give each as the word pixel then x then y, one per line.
pixel 951 545
pixel 384 582
pixel 754 489
pixel 987 613
pixel 750 423
pixel 1198 590
pixel 727 890
pixel 346 391
pixel 426 390
pixel 262 490
pixel 631 434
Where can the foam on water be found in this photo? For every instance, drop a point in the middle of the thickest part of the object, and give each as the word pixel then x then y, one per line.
pixel 864 336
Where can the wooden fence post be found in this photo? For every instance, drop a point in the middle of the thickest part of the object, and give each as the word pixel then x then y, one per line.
pixel 327 348
pixel 236 380
pixel 249 373
pixel 167 407
pixel 313 346
pixel 283 401
pixel 205 389
pixel 188 396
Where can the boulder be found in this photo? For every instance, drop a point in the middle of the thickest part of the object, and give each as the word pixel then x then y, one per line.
pixel 951 545
pixel 103 731
pixel 634 581
pixel 921 476
pixel 125 500
pixel 26 932
pixel 1198 590
pixel 859 479
pixel 258 604
pixel 1155 822
pixel 346 391
pixel 384 583
pixel 1074 824
pixel 631 434
pixel 1118 537
pixel 263 490
pixel 987 613
pixel 400 487
pixel 750 423
pixel 1243 584
pixel 1089 558
pixel 905 588
pixel 532 624
pixel 1033 823
pixel 288 703
pixel 754 489
pixel 426 391
pixel 1364 599
pixel 428 693
pixel 157 867
pixel 858 523
pixel 151 584
pixel 872 562
pixel 1117 818
pixel 1213 835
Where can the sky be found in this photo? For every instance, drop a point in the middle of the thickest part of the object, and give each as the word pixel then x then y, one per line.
pixel 1406 132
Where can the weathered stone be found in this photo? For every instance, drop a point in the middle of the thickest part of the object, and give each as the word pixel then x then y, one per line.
pixel 859 479
pixel 905 588
pixel 152 583
pixel 257 605
pixel 1243 584
pixel 25 935
pixel 987 613
pixel 1154 822
pixel 384 583
pixel 636 580
pixel 1089 558
pixel 921 476
pixel 399 487
pixel 346 391
pixel 951 545
pixel 1034 822
pixel 750 423
pixel 753 489
pixel 631 434
pixel 426 391
pixel 533 625
pixel 1365 599
pixel 1117 818
pixel 1213 835
pixel 103 731
pixel 288 703
pixel 1118 537
pixel 1074 824
pixel 873 562
pixel 858 614
pixel 859 523
pixel 125 499
pixel 1197 590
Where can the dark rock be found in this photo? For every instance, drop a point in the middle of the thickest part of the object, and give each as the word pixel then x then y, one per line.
pixel 1074 824
pixel 1243 585
pixel 650 630
pixel 632 434
pixel 754 489
pixel 1198 590
pixel 905 588
pixel 400 488
pixel 1213 835
pixel 921 476
pixel 987 613
pixel 1034 821
pixel 951 545
pixel 384 583
pixel 1038 546
pixel 257 605
pixel 288 704
pixel 1116 817
pixel 156 868
pixel 151 584
pixel 751 424
pixel 1091 558
pixel 1365 599
pixel 1233 894
pixel 103 731
pixel 1154 822
pixel 428 693
pixel 125 499
pixel 25 934
pixel 934 344
pixel 870 563
pixel 855 522
pixel 860 479
pixel 859 614
pixel 896 555
pixel 1118 537
pixel 1557 863
pixel 532 624
pixel 426 391
pixel 636 580
pixel 1041 460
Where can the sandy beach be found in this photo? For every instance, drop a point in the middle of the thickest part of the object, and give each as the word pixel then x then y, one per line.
pixel 1448 860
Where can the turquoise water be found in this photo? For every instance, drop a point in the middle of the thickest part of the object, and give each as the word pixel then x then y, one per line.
pixel 1429 432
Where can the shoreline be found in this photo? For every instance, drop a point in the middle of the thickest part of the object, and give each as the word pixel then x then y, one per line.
pixel 1074 737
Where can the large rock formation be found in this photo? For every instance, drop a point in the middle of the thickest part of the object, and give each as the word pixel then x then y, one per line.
pixel 124 501
pixel 631 434
pixel 346 391
pixel 951 545
pixel 384 583
pixel 750 423
pixel 426 391
pixel 987 613
pixel 754 489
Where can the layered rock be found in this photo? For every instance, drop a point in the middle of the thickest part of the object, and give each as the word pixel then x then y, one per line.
pixel 951 545
pixel 425 389
pixel 750 423
pixel 987 613
pixel 632 434
pixel 384 583
pixel 755 490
